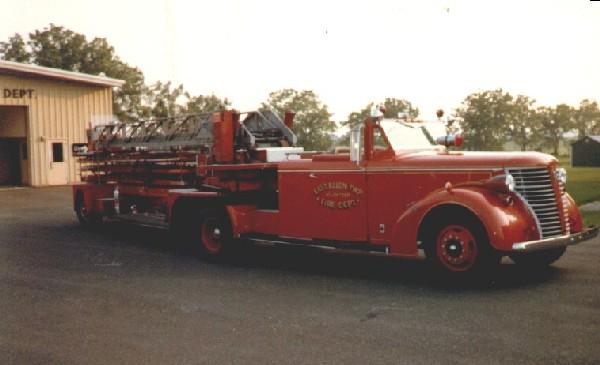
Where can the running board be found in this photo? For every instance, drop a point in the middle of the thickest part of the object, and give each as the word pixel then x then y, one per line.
pixel 361 247
pixel 156 221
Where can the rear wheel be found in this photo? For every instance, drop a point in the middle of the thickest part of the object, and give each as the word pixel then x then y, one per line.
pixel 540 258
pixel 215 232
pixel 459 246
pixel 86 218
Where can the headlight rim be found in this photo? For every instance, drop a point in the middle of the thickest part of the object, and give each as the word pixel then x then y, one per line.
pixel 561 175
pixel 510 182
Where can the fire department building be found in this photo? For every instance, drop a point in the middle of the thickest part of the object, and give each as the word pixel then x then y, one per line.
pixel 43 113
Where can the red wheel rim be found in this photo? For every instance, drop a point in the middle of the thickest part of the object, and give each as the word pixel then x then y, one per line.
pixel 212 235
pixel 456 248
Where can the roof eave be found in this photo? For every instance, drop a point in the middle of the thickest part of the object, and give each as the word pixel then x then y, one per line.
pixel 55 73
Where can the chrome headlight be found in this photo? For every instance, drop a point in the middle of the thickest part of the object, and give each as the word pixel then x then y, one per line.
pixel 510 182
pixel 561 175
pixel 504 183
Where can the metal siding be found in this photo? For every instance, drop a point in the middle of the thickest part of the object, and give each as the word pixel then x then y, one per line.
pixel 57 110
pixel 34 112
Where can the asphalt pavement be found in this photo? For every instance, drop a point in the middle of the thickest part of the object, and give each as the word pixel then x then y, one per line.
pixel 128 295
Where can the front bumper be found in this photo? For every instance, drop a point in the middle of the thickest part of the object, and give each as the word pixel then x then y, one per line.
pixel 554 242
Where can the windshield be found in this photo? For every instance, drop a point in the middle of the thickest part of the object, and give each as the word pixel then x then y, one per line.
pixel 403 136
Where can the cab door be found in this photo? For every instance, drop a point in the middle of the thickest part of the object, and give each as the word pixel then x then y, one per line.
pixel 323 200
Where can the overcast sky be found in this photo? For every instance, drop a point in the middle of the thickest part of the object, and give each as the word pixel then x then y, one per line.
pixel 432 53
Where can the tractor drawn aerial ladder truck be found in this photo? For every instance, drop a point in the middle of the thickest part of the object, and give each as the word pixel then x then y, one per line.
pixel 226 177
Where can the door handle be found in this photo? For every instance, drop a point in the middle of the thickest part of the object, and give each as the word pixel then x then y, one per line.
pixel 312 176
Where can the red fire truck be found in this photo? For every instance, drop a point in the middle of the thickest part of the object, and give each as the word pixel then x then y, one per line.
pixel 229 176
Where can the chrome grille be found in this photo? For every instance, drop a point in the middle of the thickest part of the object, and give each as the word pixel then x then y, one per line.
pixel 534 184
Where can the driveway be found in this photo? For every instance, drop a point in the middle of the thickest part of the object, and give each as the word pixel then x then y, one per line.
pixel 127 295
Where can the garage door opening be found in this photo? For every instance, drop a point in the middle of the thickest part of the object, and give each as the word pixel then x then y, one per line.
pixel 14 153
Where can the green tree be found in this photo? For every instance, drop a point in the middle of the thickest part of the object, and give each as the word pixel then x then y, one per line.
pixel 554 122
pixel 392 107
pixel 15 50
pixel 57 47
pixel 311 124
pixel 587 118
pixel 162 100
pixel 356 118
pixel 486 115
pixel 127 100
pixel 205 104
pixel 522 126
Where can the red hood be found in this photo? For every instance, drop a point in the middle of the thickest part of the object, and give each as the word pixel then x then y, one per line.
pixel 432 159
pixel 459 159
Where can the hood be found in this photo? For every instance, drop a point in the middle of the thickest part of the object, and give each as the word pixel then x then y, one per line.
pixel 460 159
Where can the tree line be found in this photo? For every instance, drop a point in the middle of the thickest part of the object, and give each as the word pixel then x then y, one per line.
pixel 494 117
pixel 490 118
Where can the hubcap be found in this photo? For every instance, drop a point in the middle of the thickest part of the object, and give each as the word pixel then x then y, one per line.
pixel 212 235
pixel 456 248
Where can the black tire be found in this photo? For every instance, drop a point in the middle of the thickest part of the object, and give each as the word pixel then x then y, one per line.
pixel 87 219
pixel 539 258
pixel 182 229
pixel 215 233
pixel 457 246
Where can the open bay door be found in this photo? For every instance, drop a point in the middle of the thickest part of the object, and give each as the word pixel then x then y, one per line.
pixel 14 164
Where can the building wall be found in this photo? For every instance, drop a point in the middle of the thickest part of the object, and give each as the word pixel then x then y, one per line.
pixel 55 110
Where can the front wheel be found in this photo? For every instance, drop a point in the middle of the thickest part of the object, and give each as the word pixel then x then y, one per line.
pixel 460 246
pixel 215 232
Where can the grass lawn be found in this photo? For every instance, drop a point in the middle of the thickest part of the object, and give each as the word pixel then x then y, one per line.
pixel 591 218
pixel 583 183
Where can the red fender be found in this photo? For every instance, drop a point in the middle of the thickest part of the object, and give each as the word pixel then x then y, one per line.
pixel 575 219
pixel 189 196
pixel 505 223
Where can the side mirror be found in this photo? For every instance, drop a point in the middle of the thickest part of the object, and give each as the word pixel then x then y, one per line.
pixel 450 140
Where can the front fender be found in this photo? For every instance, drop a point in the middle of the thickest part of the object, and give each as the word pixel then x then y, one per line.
pixel 505 223
pixel 575 219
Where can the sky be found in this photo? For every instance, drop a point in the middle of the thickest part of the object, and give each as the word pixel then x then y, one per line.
pixel 433 53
